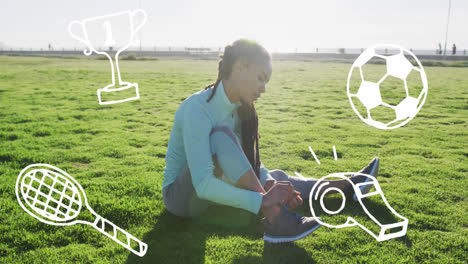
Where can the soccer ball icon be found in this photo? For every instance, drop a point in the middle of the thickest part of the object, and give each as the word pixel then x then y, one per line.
pixel 390 94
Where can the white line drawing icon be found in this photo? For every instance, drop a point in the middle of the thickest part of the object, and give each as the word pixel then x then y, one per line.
pixel 99 33
pixel 300 175
pixel 316 159
pixel 315 156
pixel 54 197
pixel 385 229
pixel 369 93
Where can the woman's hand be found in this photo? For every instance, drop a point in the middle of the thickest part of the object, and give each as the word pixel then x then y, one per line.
pixel 268 185
pixel 278 193
pixel 294 200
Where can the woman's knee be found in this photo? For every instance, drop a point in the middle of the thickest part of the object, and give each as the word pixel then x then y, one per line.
pixel 222 138
pixel 229 155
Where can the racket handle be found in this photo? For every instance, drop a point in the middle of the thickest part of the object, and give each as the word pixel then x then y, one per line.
pixel 103 224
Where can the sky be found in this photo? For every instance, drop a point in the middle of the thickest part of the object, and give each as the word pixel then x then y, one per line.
pixel 278 25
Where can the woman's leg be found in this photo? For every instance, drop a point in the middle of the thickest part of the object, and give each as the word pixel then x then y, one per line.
pixel 180 197
pixel 305 185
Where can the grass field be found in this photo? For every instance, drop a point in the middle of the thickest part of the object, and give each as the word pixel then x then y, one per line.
pixel 49 114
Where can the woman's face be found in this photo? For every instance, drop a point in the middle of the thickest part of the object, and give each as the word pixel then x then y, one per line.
pixel 250 79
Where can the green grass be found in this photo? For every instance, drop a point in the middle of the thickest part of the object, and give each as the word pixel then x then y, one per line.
pixel 49 114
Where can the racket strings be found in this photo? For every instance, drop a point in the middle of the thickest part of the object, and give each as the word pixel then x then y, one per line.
pixel 57 200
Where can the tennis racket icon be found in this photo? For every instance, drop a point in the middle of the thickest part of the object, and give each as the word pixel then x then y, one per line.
pixel 54 197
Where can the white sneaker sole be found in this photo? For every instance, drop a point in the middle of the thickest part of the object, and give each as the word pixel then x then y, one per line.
pixel 273 239
pixel 366 188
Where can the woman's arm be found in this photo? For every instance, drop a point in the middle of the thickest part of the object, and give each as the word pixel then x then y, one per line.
pixel 293 201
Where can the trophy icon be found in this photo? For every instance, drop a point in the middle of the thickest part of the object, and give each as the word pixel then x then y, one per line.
pixel 104 34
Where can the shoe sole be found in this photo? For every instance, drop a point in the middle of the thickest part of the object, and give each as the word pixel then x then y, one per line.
pixel 366 188
pixel 273 239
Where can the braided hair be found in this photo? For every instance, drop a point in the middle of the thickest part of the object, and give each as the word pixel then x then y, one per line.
pixel 250 52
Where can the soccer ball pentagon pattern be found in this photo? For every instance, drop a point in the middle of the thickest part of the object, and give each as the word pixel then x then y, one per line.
pixel 388 95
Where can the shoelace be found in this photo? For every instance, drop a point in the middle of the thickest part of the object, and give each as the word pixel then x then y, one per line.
pixel 287 212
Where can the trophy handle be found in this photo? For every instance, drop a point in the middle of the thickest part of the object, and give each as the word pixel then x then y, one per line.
pixel 87 51
pixel 142 22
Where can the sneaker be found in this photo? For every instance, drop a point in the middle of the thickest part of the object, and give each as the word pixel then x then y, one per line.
pixel 289 227
pixel 371 169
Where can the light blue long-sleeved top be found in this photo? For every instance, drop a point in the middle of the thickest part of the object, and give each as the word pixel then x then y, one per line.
pixel 190 143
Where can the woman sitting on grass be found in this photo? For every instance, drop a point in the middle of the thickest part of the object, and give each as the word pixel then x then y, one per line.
pixel 206 164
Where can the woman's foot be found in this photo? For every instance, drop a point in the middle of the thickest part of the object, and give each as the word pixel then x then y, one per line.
pixel 371 169
pixel 288 227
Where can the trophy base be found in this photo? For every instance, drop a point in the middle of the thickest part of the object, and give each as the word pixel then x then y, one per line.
pixel 118 94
